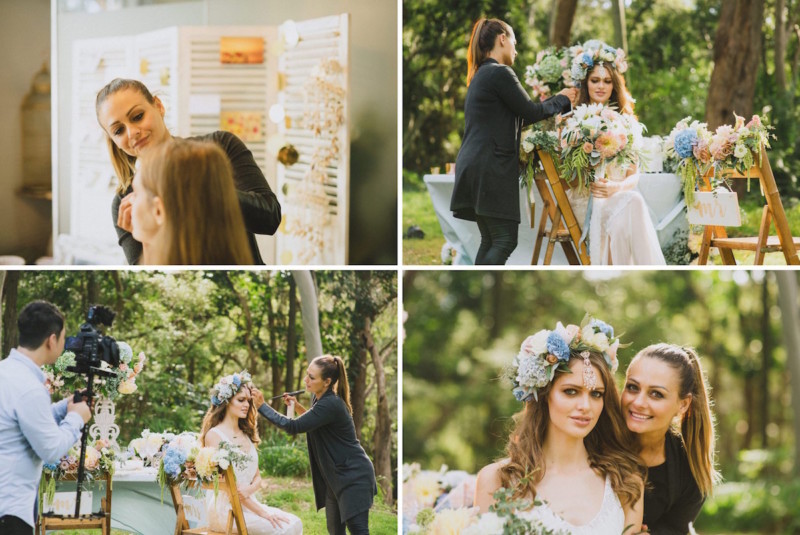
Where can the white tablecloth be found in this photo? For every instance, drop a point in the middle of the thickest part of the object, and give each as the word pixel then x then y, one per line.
pixel 661 192
pixel 136 504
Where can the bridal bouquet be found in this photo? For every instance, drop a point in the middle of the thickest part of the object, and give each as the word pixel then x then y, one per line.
pixel 595 136
pixel 59 379
pixel 502 519
pixel 550 74
pixel 99 460
pixel 689 143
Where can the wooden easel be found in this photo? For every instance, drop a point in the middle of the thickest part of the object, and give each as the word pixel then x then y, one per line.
pixel 564 227
pixel 227 484
pixel 716 236
pixel 101 520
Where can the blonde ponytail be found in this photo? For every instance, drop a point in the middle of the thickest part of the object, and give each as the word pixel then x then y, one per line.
pixel 481 42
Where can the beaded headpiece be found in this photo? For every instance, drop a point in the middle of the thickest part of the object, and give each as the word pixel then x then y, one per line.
pixel 585 56
pixel 228 386
pixel 546 351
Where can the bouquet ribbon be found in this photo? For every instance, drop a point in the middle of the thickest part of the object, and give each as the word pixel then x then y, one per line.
pixel 586 220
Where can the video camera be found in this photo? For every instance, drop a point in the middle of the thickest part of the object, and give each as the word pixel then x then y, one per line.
pixel 90 347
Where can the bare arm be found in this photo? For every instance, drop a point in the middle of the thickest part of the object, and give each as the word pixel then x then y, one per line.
pixel 487 484
pixel 634 514
pixel 606 188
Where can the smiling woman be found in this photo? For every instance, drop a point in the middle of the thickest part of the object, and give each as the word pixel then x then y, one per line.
pixel 133 121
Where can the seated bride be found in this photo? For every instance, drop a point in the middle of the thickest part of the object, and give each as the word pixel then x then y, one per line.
pixel 620 229
pixel 232 418
pixel 568 454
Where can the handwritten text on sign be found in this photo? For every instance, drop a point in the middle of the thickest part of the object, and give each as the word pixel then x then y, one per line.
pixel 720 207
pixel 64 503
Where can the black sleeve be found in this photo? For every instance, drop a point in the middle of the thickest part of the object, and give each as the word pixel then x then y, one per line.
pixel 131 247
pixel 516 98
pixel 675 521
pixel 260 206
pixel 322 413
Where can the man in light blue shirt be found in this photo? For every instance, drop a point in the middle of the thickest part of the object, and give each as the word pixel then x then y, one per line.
pixel 32 431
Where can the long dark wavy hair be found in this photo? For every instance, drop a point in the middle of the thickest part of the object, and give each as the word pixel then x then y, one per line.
pixel 216 413
pixel 609 445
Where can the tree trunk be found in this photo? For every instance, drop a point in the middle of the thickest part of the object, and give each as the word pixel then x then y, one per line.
pixel 92 289
pixel 357 367
pixel 790 319
pixel 275 365
pixel 766 357
pixel 737 47
pixel 749 408
pixel 561 22
pixel 10 334
pixel 620 32
pixel 309 311
pixel 383 422
pixel 780 47
pixel 291 337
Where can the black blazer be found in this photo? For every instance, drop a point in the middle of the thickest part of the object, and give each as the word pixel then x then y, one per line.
pixel 672 498
pixel 487 166
pixel 337 459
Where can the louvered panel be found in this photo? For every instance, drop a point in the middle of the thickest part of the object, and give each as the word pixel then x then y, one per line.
pixel 316 204
pixel 159 49
pixel 95 62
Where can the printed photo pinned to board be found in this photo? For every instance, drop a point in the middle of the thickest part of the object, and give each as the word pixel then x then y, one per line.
pixel 241 49
pixel 245 125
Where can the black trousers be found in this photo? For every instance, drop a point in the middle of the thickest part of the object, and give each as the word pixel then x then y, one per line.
pixel 498 240
pixel 358 525
pixel 12 525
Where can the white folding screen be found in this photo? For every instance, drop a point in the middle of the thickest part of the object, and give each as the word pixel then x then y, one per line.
pixel 314 93
pixel 181 65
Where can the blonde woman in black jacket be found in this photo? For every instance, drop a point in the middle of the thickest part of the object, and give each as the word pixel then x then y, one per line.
pixel 342 474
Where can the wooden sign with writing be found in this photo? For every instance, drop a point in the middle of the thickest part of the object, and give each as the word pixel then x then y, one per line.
pixel 719 207
pixel 64 503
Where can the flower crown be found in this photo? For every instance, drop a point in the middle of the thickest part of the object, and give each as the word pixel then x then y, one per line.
pixel 228 386
pixel 546 351
pixel 591 52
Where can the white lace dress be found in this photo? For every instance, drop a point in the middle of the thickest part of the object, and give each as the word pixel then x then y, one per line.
pixel 620 231
pixel 610 520
pixel 218 507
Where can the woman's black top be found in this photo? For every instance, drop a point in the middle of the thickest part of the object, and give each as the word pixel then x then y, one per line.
pixel 337 459
pixel 487 166
pixel 260 207
pixel 672 498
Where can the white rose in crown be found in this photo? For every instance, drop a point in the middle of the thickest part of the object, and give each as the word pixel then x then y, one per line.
pixel 598 340
pixel 536 344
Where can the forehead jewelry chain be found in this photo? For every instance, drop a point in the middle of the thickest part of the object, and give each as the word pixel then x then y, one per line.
pixel 589 376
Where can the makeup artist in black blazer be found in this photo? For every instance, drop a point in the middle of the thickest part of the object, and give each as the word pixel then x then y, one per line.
pixel 342 474
pixel 487 167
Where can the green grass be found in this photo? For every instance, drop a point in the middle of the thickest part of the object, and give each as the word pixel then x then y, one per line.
pixel 751 219
pixel 418 210
pixel 296 496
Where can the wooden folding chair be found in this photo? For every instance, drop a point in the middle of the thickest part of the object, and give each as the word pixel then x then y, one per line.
pixel 563 226
pixel 227 484
pixel 716 236
pixel 100 520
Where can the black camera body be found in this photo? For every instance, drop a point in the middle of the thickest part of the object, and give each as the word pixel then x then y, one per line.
pixel 90 347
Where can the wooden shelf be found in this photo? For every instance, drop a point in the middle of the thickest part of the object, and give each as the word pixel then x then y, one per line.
pixel 44 193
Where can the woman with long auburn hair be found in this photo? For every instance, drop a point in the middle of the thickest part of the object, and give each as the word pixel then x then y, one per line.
pixel 232 418
pixel 569 449
pixel 342 474
pixel 175 228
pixel 487 167
pixel 620 229
pixel 133 121
pixel 666 405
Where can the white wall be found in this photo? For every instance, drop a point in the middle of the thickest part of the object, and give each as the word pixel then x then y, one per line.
pixel 373 79
pixel 24 46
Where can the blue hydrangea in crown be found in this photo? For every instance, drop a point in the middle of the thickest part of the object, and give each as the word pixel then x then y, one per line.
pixel 228 386
pixel 585 57
pixel 545 352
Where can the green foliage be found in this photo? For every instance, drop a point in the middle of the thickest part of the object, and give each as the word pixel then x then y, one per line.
pixel 282 456
pixel 765 506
